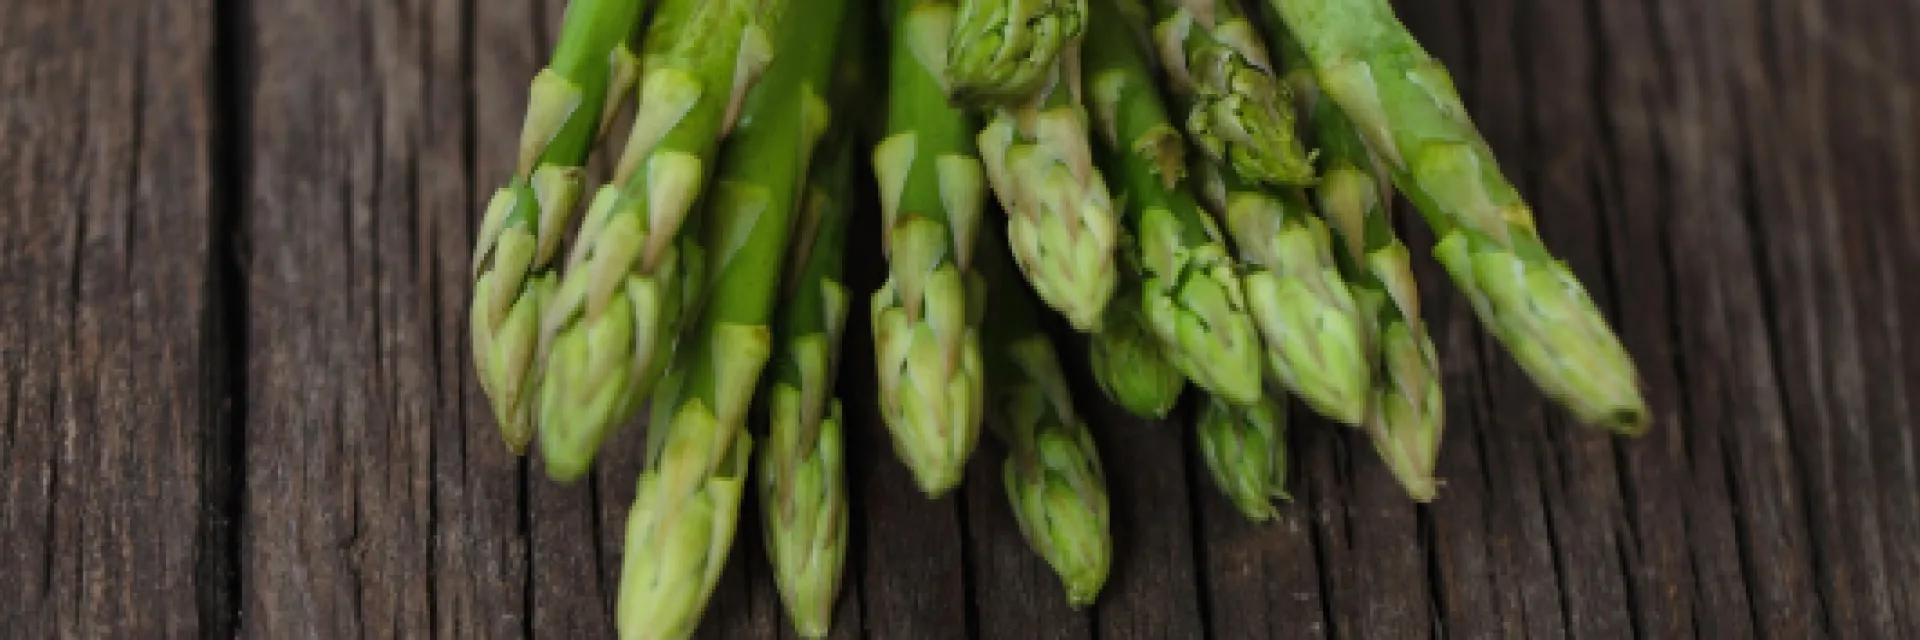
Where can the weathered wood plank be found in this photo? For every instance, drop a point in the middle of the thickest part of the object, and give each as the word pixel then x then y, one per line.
pixel 112 370
pixel 1154 590
pixel 1808 179
pixel 910 559
pixel 1687 579
pixel 482 553
pixel 1735 398
pixel 1876 143
pixel 342 402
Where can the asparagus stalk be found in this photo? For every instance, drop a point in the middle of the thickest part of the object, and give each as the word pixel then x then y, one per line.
pixel 1403 102
pixel 685 510
pixel 1130 364
pixel 1407 413
pixel 926 316
pixel 1245 451
pixel 802 470
pixel 1052 474
pixel 1002 51
pixel 1061 223
pixel 567 106
pixel 611 326
pixel 1317 336
pixel 1191 295
pixel 1239 113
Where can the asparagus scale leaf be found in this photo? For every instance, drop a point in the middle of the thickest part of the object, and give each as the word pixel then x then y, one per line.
pixel 1191 295
pixel 926 316
pixel 567 106
pixel 1002 51
pixel 802 471
pixel 1244 448
pixel 687 506
pixel 1404 104
pixel 1061 223
pixel 1053 476
pixel 613 319
pixel 1239 113
pixel 1130 364
pixel 802 468
pixel 1407 412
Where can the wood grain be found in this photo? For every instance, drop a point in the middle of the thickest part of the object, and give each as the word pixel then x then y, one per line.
pixel 115 481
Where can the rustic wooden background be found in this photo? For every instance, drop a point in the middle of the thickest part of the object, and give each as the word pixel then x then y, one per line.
pixel 235 395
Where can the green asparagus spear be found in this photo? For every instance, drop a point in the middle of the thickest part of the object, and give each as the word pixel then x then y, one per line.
pixel 926 317
pixel 802 470
pixel 1129 363
pixel 1053 477
pixel 513 278
pixel 1404 104
pixel 611 326
pixel 687 505
pixel 1245 450
pixel 1060 216
pixel 1191 295
pixel 1317 337
pixel 1407 411
pixel 1238 111
pixel 1002 51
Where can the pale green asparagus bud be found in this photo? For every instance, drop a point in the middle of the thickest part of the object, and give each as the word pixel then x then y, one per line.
pixel 1239 113
pixel 926 316
pixel 524 222
pixel 1002 51
pixel 698 445
pixel 1061 222
pixel 1245 450
pixel 1405 424
pixel 802 471
pixel 1052 474
pixel 1404 105
pixel 683 519
pixel 633 274
pixel 1406 416
pixel 1317 340
pixel 1131 364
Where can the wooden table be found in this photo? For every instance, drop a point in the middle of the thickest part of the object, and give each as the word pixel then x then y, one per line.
pixel 235 396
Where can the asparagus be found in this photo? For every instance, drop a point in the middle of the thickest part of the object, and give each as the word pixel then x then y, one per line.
pixel 685 510
pixel 567 106
pixel 1191 295
pixel 1317 341
pixel 1407 414
pixel 1002 51
pixel 1404 104
pixel 802 468
pixel 611 326
pixel 1130 364
pixel 1061 223
pixel 1239 113
pixel 1245 451
pixel 926 316
pixel 1052 474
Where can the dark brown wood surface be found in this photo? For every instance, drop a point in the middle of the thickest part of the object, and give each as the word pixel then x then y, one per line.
pixel 236 397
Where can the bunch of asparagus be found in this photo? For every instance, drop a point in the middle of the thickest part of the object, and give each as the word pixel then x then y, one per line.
pixel 1196 208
